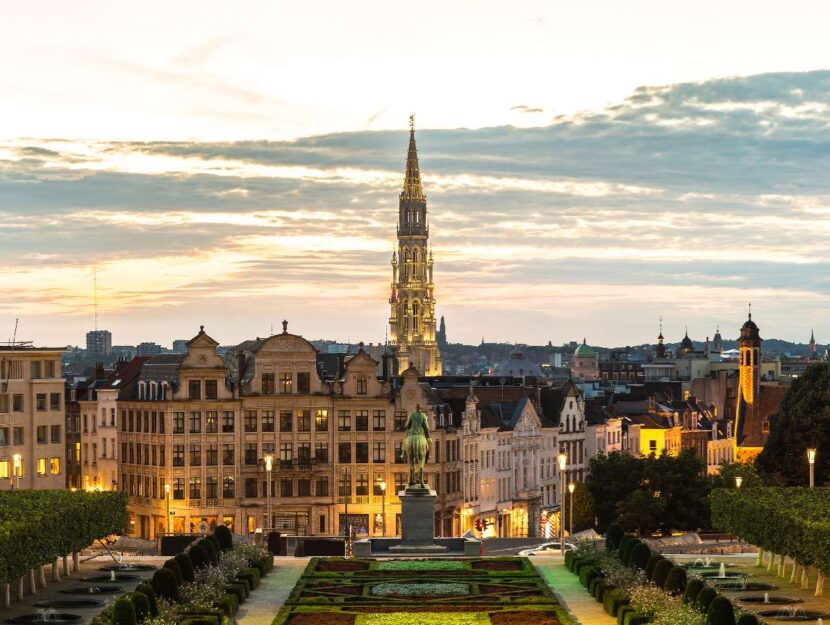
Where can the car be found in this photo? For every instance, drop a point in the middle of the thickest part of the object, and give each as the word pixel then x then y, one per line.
pixel 547 549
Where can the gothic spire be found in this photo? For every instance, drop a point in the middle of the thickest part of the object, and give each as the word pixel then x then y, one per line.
pixel 412 188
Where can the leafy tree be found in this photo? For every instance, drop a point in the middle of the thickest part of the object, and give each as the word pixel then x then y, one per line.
pixel 802 422
pixel 583 512
pixel 752 477
pixel 611 479
pixel 641 512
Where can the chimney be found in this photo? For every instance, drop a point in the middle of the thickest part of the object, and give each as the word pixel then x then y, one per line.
pixel 120 363
pixel 386 360
pixel 100 374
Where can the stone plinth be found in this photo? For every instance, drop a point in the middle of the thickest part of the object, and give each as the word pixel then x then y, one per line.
pixel 417 522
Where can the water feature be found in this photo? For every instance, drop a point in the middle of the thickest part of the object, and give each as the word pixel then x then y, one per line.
pixel 112 577
pixel 768 599
pixel 46 615
pixel 743 584
pixel 722 571
pixel 69 603
pixel 93 590
pixel 127 566
pixel 793 613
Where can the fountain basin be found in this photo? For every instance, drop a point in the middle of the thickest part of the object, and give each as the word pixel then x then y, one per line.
pixel 793 614
pixel 93 590
pixel 126 568
pixel 37 617
pixel 738 585
pixel 70 603
pixel 713 566
pixel 773 599
pixel 119 577
pixel 718 575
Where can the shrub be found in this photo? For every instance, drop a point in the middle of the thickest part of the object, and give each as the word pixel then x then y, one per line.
pixel 675 581
pixel 252 575
pixel 613 535
pixel 704 598
pixel 587 573
pixel 224 536
pixel 613 601
pixel 198 555
pixel 228 603
pixel 240 591
pixel 640 555
pixel 210 550
pixel 123 612
pixel 214 542
pixel 720 612
pixel 141 604
pixel 185 566
pixel 633 618
pixel 652 562
pixel 198 620
pixel 623 542
pixel 747 619
pixel 569 560
pixel 151 597
pixel 177 571
pixel 165 585
pixel 629 547
pixel 661 572
pixel 693 587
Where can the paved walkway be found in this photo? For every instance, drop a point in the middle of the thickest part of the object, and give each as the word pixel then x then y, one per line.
pixel 579 603
pixel 264 603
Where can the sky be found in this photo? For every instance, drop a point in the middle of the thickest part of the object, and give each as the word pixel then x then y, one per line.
pixel 589 167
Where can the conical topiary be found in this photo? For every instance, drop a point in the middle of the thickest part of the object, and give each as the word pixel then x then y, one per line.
pixel 747 618
pixel 720 612
pixel 141 604
pixel 123 612
pixel 210 550
pixel 675 581
pixel 704 598
pixel 640 555
pixel 185 566
pixel 165 585
pixel 693 587
pixel 198 555
pixel 612 536
pixel 652 562
pixel 172 565
pixel 151 597
pixel 224 536
pixel 661 572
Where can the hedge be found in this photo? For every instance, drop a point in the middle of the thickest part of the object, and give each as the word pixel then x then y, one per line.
pixel 123 611
pixel 661 573
pixel 640 555
pixel 720 612
pixel 705 598
pixel 693 587
pixel 613 535
pixel 675 581
pixel 40 526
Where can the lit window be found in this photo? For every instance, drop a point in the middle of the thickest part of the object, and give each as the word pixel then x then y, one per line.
pixel 4 469
pixel 55 466
pixel 41 466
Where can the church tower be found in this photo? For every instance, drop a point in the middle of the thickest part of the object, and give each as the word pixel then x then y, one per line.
pixel 812 345
pixel 749 345
pixel 661 348
pixel 412 302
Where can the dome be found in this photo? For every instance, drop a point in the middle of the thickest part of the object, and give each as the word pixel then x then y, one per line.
pixel 517 366
pixel 686 344
pixel 749 330
pixel 585 351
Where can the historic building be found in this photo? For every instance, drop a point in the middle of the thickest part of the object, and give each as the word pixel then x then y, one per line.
pixel 584 364
pixel 412 327
pixel 32 448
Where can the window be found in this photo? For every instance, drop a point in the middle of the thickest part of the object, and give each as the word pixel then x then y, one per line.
pixel 286 421
pixel 195 455
pixel 41 434
pixel 4 469
pixel 321 420
pixel 377 491
pixel 4 437
pixel 304 453
pixel 228 454
pixel 17 436
pixel 250 487
pixel 378 451
pixel 17 403
pixel 303 420
pixel 35 369
pixel 652 445
pixel 178 423
pixel 379 420
pixel 361 421
pixel 55 434
pixel 362 385
pixel 40 401
pixel 321 487
pixel 400 482
pixel 286 452
pixel 304 382
pixel 49 369
pixel 228 488
pixel 194 389
pixel 195 422
pixel 344 421
pixel 344 452
pixel 251 456
pixel 54 401
pixel 361 452
pixel 4 403
pixel 362 487
pixel 304 487
pixel 211 422
pixel 41 466
pixel 285 382
pixel 212 487
pixel 399 453
pixel 268 421
pixel 321 451
pixel 286 487
pixel 268 387
pixel 178 455
pixel 250 420
pixel 227 421
pixel 344 485
pixel 400 420
pixel 211 390
pixel 195 488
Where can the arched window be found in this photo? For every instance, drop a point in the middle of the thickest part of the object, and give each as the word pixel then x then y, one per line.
pixel 164 387
pixel 142 390
pixel 154 390
pixel 362 385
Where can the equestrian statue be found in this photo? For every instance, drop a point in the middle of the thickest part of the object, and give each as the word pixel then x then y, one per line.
pixel 415 448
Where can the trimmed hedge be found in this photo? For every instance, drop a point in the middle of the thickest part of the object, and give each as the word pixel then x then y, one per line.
pixel 165 585
pixel 675 581
pixel 693 587
pixel 613 601
pixel 123 611
pixel 720 612
pixel 661 573
pixel 640 555
pixel 705 598
pixel 613 535
pixel 185 566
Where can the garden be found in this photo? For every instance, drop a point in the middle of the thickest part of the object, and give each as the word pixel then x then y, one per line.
pixel 491 591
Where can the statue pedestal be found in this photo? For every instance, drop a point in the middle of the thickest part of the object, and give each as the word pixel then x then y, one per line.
pixel 417 523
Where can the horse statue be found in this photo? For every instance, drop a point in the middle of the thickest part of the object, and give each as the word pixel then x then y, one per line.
pixel 416 446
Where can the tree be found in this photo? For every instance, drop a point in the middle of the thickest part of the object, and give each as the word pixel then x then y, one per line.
pixel 583 512
pixel 750 474
pixel 803 421
pixel 641 512
pixel 611 479
pixel 680 482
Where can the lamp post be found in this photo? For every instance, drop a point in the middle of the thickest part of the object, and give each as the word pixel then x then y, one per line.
pixel 563 461
pixel 383 509
pixel 167 499
pixel 571 488
pixel 738 481
pixel 269 466
pixel 811 458
pixel 17 461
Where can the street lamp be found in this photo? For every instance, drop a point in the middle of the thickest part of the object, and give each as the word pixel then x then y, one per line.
pixel 383 513
pixel 571 488
pixel 738 481
pixel 811 458
pixel 167 498
pixel 269 465
pixel 17 461
pixel 563 462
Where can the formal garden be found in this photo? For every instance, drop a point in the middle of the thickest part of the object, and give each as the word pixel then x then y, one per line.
pixel 449 591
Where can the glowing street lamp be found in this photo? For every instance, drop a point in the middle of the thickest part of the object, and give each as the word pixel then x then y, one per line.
pixel 269 465
pixel 563 462
pixel 571 488
pixel 811 458
pixel 383 513
pixel 738 481
pixel 17 466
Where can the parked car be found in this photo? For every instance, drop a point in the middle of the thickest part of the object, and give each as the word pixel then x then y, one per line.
pixel 547 549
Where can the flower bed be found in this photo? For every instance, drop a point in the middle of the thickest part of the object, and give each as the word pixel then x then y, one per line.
pixel 419 565
pixel 337 567
pixel 420 589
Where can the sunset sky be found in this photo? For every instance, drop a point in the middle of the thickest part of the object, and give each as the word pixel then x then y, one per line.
pixel 589 167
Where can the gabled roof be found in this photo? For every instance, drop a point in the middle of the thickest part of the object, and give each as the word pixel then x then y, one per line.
pixel 502 415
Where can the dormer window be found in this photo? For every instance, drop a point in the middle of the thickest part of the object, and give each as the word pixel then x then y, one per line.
pixel 142 390
pixel 362 385
pixel 154 390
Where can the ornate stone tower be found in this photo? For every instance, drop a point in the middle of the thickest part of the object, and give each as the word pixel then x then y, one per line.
pixel 661 348
pixel 412 302
pixel 749 344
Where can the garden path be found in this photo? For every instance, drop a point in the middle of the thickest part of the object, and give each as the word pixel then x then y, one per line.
pixel 264 603
pixel 573 596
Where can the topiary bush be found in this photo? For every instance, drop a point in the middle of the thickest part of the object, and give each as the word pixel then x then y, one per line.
pixel 141 604
pixel 151 597
pixel 185 566
pixel 224 536
pixel 693 587
pixel 198 556
pixel 612 536
pixel 629 548
pixel 652 562
pixel 623 542
pixel 661 572
pixel 252 575
pixel 177 571
pixel 123 612
pixel 704 598
pixel 214 542
pixel 640 555
pixel 210 550
pixel 634 618
pixel 165 585
pixel 675 581
pixel 747 619
pixel 720 612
